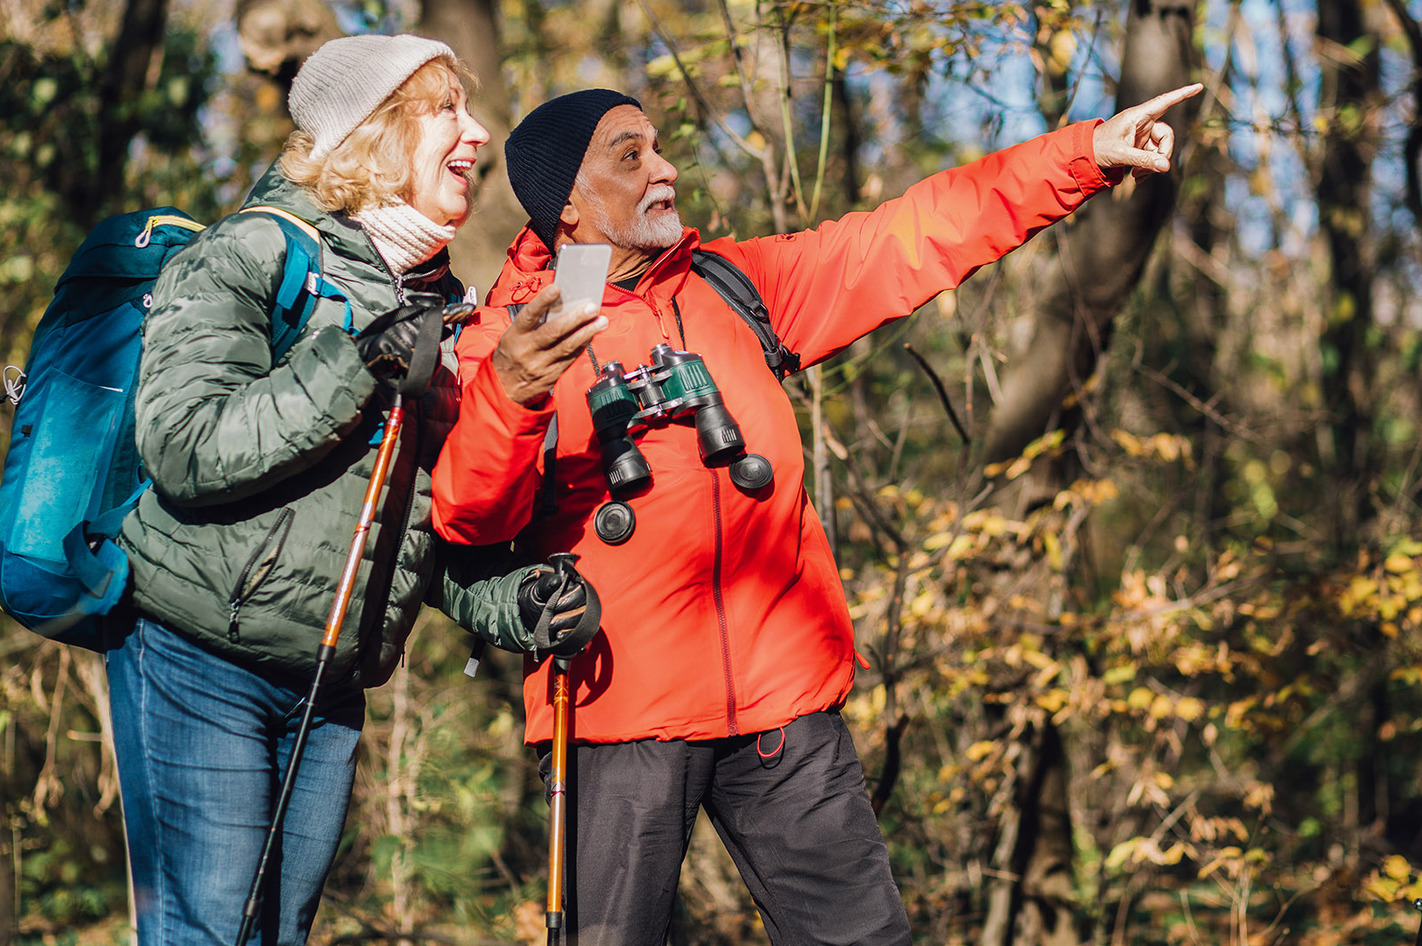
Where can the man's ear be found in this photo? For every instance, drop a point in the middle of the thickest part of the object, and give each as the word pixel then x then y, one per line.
pixel 569 215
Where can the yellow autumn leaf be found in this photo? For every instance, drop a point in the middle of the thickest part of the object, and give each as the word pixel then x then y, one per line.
pixel 1122 853
pixel 980 750
pixel 1121 673
pixel 1166 447
pixel 1097 492
pixel 1190 709
pixel 1035 657
pixel 937 541
pixel 1053 547
pixel 1361 587
pixel 1397 564
pixel 1172 854
pixel 1384 889
pixel 1397 867
pixel 962 546
pixel 1044 444
pixel 664 67
pixel 1053 700
pixel 1017 467
pixel 1127 442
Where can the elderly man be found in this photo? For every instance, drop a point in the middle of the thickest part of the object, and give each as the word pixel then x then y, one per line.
pixel 727 648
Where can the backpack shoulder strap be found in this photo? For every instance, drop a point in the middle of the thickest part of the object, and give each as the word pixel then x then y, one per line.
pixel 741 295
pixel 301 283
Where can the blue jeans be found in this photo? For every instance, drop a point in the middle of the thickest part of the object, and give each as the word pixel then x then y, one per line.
pixel 202 746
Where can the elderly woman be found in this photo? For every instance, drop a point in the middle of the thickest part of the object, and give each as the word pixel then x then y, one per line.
pixel 259 466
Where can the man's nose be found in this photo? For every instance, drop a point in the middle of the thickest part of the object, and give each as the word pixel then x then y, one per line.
pixel 663 171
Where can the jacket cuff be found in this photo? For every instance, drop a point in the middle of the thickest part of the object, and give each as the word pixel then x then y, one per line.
pixel 1084 169
pixel 334 354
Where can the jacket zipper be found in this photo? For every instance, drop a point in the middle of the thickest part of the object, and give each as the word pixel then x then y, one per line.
pixel 661 324
pixel 164 220
pixel 732 726
pixel 251 575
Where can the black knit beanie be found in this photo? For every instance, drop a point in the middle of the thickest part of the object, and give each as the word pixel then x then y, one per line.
pixel 544 152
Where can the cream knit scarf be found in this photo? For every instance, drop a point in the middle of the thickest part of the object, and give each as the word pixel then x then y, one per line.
pixel 404 236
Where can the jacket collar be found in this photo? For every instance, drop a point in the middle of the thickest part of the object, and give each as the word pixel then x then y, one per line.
pixel 528 269
pixel 345 236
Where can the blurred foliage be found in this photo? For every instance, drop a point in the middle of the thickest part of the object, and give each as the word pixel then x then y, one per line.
pixel 1236 701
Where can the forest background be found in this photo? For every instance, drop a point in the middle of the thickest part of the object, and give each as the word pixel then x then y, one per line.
pixel 1129 523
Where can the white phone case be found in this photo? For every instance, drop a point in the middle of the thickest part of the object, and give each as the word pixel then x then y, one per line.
pixel 581 275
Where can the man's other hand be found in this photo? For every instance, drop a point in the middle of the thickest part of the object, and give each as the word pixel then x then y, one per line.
pixel 1137 139
pixel 532 355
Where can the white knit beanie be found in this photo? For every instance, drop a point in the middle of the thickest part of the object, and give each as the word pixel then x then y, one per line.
pixel 343 82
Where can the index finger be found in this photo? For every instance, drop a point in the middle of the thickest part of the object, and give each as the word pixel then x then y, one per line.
pixel 531 315
pixel 1165 101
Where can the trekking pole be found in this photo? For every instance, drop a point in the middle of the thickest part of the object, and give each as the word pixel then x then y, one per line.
pixel 1417 905
pixel 324 653
pixel 557 802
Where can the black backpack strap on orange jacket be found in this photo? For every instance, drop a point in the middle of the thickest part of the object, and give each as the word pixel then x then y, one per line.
pixel 742 296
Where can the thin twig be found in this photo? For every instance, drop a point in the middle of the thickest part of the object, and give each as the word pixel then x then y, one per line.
pixel 942 393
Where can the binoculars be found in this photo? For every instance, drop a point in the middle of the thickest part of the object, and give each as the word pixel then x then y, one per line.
pixel 674 385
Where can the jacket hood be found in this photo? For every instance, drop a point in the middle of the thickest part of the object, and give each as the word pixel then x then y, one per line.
pixel 528 267
pixel 274 189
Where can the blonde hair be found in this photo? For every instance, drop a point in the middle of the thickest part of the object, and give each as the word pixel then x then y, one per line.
pixel 372 166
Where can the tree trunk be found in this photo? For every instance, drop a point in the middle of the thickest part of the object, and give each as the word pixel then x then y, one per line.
pixel 471 28
pixel 1103 251
pixel 1349 101
pixel 128 73
pixel 1102 255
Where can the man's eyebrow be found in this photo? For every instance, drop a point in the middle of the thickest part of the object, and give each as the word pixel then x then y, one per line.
pixel 623 137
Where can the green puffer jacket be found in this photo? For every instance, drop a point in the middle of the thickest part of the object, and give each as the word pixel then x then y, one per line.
pixel 259 471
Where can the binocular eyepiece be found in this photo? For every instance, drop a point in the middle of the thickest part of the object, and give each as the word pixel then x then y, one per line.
pixel 675 384
pixel 613 405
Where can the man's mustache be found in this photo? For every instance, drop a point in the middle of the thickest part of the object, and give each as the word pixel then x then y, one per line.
pixel 656 195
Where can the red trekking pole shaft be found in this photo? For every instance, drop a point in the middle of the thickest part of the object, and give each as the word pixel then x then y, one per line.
pixel 324 653
pixel 558 798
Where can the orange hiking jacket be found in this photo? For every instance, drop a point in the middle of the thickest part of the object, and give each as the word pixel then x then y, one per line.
pixel 723 613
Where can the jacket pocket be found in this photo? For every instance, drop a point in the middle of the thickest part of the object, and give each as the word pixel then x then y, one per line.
pixel 258 566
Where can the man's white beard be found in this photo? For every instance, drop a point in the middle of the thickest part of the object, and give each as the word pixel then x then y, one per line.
pixel 643 232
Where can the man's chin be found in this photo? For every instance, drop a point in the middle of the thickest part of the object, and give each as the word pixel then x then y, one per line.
pixel 662 230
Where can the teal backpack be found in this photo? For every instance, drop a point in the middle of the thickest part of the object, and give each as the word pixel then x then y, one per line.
pixel 73 472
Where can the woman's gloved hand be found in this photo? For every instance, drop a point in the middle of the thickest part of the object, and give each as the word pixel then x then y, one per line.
pixel 401 347
pixel 568 603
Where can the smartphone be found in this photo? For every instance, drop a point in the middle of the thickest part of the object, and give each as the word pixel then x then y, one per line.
pixel 581 275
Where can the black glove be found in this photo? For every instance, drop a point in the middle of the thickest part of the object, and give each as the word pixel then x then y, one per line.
pixel 401 348
pixel 566 601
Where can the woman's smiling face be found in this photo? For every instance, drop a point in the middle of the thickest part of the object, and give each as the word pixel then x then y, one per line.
pixel 447 142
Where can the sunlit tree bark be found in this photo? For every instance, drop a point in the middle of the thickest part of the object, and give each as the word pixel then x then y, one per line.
pixel 1102 254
